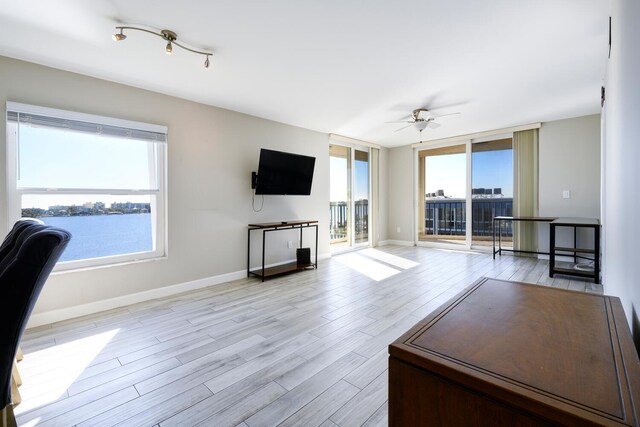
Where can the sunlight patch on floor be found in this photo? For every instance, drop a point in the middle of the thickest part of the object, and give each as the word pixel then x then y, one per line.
pixel 370 268
pixel 31 423
pixel 48 373
pixel 388 258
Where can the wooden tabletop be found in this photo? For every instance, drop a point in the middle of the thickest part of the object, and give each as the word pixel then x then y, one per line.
pixel 551 350
pixel 283 223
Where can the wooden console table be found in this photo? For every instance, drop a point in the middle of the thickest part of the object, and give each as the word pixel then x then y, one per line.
pixel 505 354
pixel 283 268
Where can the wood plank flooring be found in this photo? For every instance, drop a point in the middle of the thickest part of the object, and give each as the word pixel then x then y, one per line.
pixel 304 349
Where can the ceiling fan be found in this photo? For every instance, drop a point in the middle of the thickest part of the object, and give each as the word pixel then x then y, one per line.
pixel 421 123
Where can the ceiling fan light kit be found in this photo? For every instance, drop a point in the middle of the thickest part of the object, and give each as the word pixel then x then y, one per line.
pixel 421 123
pixel 169 36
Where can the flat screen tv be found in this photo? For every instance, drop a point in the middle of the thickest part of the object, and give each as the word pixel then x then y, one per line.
pixel 282 173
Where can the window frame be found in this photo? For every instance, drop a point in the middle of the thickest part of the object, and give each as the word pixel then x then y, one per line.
pixel 159 208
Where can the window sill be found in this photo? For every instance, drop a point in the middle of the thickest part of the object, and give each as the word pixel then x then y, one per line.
pixel 58 271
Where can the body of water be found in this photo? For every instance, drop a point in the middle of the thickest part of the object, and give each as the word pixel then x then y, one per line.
pixel 104 235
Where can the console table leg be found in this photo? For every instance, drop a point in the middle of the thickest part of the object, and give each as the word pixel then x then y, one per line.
pixel 596 260
pixel 249 253
pixel 264 239
pixel 552 249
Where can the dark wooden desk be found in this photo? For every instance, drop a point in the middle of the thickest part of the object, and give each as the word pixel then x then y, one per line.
pixel 266 227
pixel 509 354
pixel 500 219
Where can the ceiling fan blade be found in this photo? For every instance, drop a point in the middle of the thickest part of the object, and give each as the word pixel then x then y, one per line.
pixel 404 127
pixel 444 115
pixel 402 121
pixel 433 125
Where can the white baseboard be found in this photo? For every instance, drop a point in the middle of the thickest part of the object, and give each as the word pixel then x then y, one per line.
pixel 53 316
pixel 396 243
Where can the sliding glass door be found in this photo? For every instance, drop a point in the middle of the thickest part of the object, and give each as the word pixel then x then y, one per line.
pixel 470 180
pixel 349 176
pixel 443 188
pixel 339 197
pixel 361 199
pixel 492 190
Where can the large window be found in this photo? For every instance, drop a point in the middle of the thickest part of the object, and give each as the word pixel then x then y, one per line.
pixel 102 179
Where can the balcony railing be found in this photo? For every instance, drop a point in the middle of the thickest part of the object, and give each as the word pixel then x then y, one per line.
pixel 443 217
pixel 447 217
pixel 339 217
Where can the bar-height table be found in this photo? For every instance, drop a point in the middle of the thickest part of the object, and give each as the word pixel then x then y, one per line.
pixel 500 219
pixel 575 223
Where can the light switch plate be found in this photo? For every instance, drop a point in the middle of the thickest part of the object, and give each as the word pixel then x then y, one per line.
pixel 566 194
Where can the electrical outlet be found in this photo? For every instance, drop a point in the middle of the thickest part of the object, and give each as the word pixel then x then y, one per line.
pixel 289 244
pixel 566 194
pixel 397 229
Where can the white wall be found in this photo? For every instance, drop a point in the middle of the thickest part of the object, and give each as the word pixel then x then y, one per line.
pixel 400 198
pixel 211 154
pixel 621 165
pixel 569 159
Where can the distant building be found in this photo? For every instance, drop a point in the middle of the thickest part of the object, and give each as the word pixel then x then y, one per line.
pixel 440 193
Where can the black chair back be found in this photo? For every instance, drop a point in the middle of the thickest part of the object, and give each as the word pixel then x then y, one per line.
pixel 29 254
pixel 12 238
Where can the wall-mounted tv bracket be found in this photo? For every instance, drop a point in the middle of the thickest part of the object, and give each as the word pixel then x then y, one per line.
pixel 254 180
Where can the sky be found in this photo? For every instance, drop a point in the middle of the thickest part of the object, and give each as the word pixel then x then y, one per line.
pixel 54 158
pixel 490 169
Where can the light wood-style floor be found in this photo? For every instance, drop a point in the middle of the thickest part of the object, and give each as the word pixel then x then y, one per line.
pixel 304 349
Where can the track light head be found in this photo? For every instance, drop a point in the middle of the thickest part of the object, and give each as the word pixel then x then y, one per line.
pixel 169 48
pixel 119 36
pixel 206 62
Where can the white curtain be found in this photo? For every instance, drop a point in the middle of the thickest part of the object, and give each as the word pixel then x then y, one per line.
pixel 525 188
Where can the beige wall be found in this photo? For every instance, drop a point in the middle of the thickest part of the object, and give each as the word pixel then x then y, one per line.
pixel 569 159
pixel 211 153
pixel 621 163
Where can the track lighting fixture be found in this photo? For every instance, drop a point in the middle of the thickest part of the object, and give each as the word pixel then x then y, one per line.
pixel 169 36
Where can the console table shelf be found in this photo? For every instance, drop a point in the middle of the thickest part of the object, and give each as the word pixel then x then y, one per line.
pixel 265 272
pixel 280 269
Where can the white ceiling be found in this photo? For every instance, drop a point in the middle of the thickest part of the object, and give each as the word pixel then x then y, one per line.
pixel 337 66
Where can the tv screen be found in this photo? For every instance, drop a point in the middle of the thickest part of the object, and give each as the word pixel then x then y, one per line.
pixel 284 173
